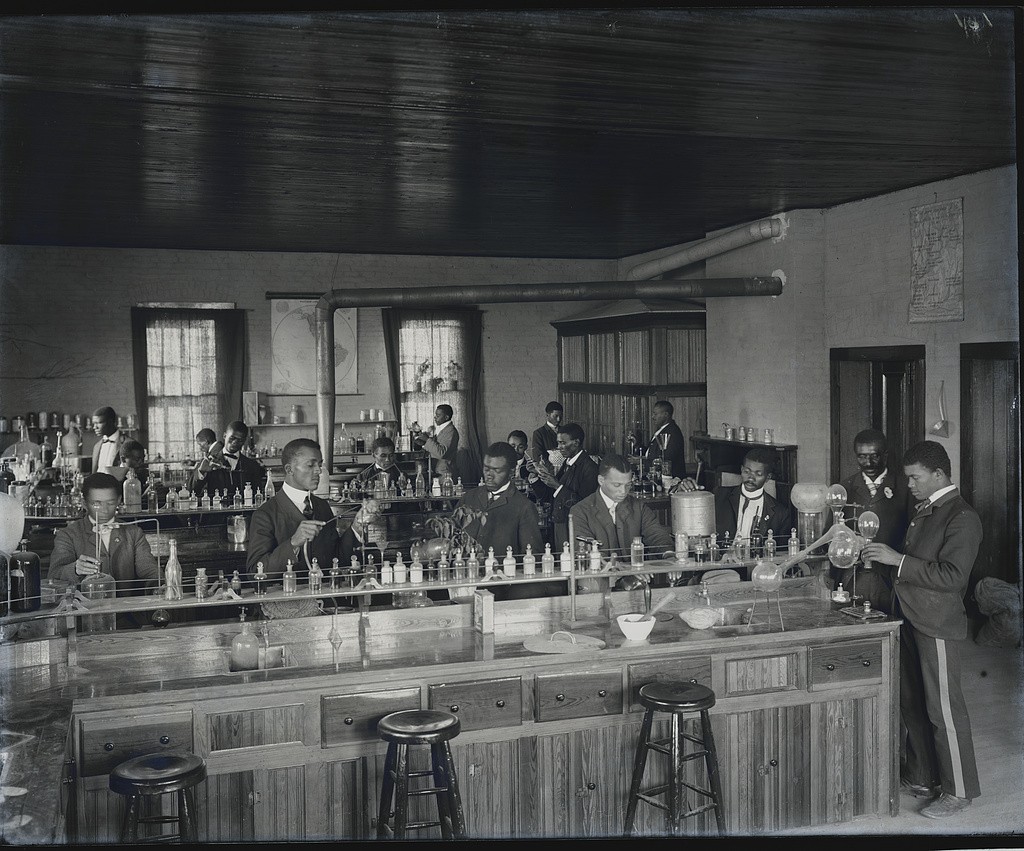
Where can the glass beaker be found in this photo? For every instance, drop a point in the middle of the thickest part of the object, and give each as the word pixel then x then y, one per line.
pixel 99 586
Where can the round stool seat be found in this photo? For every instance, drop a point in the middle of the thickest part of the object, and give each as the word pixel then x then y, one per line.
pixel 157 773
pixel 418 727
pixel 676 697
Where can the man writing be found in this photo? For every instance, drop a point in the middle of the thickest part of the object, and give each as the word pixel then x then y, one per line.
pixel 576 478
pixel 931 576
pixel 874 487
pixel 226 469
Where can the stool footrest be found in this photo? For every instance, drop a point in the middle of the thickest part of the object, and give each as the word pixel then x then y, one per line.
pixel 417 825
pixel 698 810
pixel 158 819
pixel 654 802
pixel 431 791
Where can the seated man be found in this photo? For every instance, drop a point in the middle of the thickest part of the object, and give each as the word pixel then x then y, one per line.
pixel 613 517
pixel 133 456
pixel 205 438
pixel 296 525
pixel 511 519
pixel 517 440
pixel 383 451
pixel 576 478
pixel 224 468
pixel 124 550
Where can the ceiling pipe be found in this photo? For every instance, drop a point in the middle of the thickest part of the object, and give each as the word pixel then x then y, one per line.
pixel 445 296
pixel 754 232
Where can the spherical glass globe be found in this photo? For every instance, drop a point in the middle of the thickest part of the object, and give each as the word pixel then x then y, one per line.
pixel 766 576
pixel 836 497
pixel 867 524
pixel 809 497
pixel 843 551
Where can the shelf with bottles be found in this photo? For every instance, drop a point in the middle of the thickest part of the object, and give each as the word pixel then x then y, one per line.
pixel 313 423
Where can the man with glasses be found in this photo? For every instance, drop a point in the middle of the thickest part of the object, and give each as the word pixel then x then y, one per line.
pixel 224 468
pixel 97 544
pixel 383 452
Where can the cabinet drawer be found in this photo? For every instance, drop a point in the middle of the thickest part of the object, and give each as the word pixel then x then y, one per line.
pixel 578 695
pixel 106 743
pixel 670 670
pixel 855 661
pixel 353 717
pixel 481 704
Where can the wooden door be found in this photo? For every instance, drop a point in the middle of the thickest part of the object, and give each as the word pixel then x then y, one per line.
pixel 225 807
pixel 990 453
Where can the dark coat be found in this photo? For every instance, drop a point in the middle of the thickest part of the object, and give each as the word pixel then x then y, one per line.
pixel 893 511
pixel 369 473
pixel 775 515
pixel 940 548
pixel 511 522
pixel 675 452
pixel 543 439
pixel 129 557
pixel 248 470
pixel 270 531
pixel 576 482
pixel 96 452
pixel 591 519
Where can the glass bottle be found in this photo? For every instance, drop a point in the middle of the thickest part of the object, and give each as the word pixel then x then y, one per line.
pixel 547 560
pixel 268 491
pixel 636 552
pixel 387 573
pixel 508 565
pixel 132 492
pixel 472 565
pixel 172 572
pixel 192 499
pixel 443 567
pixel 205 503
pixel 289 578
pixel 99 586
pixel 399 569
pixel 25 586
pixel 769 544
pixel 245 648
pixel 247 495
pixel 46 452
pixel 565 559
pixel 529 561
pixel 260 579
pixel 421 482
pixel 316 577
pixel 172 499
pixel 459 489
pixel 237 500
pixel 435 487
pixel 201 583
pixel 415 569
pixel 595 556
pixel 490 561
pixel 713 553
pixel 236 583
pixel 793 547
pixel 458 566
pixel 334 575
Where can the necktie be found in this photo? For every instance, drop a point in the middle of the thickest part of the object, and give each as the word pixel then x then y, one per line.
pixel 109 440
pixel 229 455
pixel 871 485
pixel 307 508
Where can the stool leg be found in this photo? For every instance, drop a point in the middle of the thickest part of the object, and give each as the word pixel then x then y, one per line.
pixel 441 781
pixel 187 815
pixel 130 825
pixel 401 791
pixel 454 796
pixel 639 763
pixel 714 778
pixel 675 788
pixel 387 788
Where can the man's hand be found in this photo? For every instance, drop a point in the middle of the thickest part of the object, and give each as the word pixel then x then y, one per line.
pixel 881 553
pixel 307 531
pixel 688 484
pixel 87 566
pixel 546 476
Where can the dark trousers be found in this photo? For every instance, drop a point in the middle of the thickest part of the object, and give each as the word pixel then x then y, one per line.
pixel 874 585
pixel 939 747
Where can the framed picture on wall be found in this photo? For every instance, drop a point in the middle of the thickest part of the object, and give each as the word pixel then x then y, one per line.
pixel 293 348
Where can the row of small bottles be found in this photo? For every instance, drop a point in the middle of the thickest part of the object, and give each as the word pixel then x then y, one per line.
pixel 383 487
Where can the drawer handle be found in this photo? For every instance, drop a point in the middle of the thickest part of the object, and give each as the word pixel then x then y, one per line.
pixel 559 697
pixel 602 693
pixel 350 721
pixel 165 740
pixel 500 704
pixel 454 707
pixel 693 680
pixel 591 786
pixel 866 663
pixel 830 667
pixel 109 746
pixel 773 762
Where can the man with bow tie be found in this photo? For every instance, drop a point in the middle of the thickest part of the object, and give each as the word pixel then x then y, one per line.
pixel 227 469
pixel 106 452
pixel 932 571
pixel 383 451
pixel 874 487
pixel 666 430
pixel 124 551
pixel 575 479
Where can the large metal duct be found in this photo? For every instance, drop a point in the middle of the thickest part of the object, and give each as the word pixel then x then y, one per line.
pixel 444 296
pixel 710 247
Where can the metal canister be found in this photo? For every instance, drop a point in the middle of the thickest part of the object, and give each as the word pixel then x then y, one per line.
pixel 32 420
pixel 3 425
pixel 730 433
pixel 743 433
pixel 16 423
pixel 44 420
pixel 67 422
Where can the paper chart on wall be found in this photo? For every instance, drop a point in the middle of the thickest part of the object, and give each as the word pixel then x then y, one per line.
pixel 293 347
pixel 937 273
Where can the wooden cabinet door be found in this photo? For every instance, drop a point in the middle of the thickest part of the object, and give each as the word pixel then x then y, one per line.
pixel 225 807
pixel 280 804
pixel 846 778
pixel 765 762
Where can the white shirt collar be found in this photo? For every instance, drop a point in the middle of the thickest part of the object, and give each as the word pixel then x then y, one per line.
pixel 877 481
pixel 610 504
pixel 940 493
pixel 570 461
pixel 554 428
pixel 501 490
pixel 298 497
pixel 756 496
pixel 660 430
pixel 442 427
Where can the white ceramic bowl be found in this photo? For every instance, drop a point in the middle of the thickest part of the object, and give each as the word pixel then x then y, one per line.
pixel 633 628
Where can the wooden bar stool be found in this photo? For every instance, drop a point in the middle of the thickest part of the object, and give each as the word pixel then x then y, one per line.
pixel 419 727
pixel 153 775
pixel 676 699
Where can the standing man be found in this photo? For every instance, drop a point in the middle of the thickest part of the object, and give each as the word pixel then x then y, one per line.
pixel 876 488
pixel 576 478
pixel 108 448
pixel 296 524
pixel 124 550
pixel 441 441
pixel 545 437
pixel 931 576
pixel 204 439
pixel 225 468
pixel 674 454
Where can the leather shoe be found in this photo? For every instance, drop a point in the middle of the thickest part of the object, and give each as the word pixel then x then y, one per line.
pixel 945 805
pixel 917 789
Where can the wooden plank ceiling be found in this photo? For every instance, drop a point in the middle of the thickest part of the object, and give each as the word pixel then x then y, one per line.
pixel 572 133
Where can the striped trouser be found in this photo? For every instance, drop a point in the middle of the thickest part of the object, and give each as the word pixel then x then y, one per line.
pixel 939 747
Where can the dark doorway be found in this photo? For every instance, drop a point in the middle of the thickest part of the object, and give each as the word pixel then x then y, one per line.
pixel 875 387
pixel 990 453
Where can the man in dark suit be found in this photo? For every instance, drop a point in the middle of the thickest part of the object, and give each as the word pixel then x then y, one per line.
pixel 124 550
pixel 545 437
pixel 383 451
pixel 225 468
pixel 746 510
pixel 576 478
pixel 666 428
pixel 296 525
pixel 931 576
pixel 441 441
pixel 875 488
pixel 107 451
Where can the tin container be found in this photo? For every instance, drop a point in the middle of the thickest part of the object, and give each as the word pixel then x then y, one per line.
pixel 730 433
pixel 743 433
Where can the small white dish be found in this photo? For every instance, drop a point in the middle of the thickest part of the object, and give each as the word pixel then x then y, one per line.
pixel 633 627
